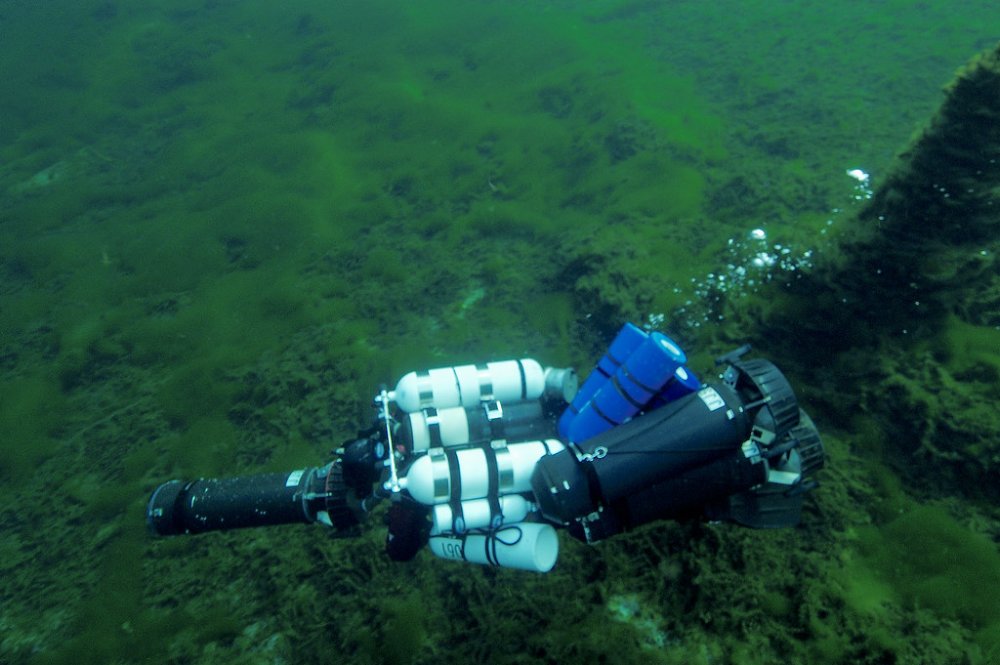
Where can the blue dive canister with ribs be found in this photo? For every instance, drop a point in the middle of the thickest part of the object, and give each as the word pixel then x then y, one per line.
pixel 630 389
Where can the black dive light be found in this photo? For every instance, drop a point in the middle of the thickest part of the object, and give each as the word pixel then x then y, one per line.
pixel 213 504
pixel 334 495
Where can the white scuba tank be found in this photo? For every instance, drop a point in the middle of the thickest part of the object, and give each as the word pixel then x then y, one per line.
pixel 467 385
pixel 478 514
pixel 484 423
pixel 429 479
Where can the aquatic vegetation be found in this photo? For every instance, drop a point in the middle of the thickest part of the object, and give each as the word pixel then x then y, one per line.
pixel 226 223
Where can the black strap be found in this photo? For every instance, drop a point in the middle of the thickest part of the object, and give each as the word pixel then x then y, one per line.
pixel 455 500
pixel 493 537
pixel 493 489
pixel 458 384
pixel 608 419
pixel 631 378
pixel 494 419
pixel 593 484
pixel 433 427
pixel 614 359
pixel 490 549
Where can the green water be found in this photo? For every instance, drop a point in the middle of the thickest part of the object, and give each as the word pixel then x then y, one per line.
pixel 223 224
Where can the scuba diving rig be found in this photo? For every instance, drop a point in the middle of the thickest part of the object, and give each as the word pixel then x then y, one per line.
pixel 483 462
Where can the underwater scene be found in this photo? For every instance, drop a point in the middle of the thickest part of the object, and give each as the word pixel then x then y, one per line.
pixel 225 225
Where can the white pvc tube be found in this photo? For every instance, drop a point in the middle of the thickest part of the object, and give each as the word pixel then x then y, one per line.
pixel 526 546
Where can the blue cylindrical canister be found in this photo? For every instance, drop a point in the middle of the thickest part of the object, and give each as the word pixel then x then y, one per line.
pixel 626 341
pixel 633 386
pixel 680 384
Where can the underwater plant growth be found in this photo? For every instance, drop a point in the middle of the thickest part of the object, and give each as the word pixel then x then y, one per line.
pixel 224 224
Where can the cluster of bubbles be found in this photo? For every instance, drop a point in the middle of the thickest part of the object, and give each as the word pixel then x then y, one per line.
pixel 752 260
pixel 863 188
pixel 862 192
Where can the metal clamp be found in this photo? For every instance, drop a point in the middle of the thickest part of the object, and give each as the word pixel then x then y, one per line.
pixel 600 452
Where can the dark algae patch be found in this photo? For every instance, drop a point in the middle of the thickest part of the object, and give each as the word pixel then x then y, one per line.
pixel 224 224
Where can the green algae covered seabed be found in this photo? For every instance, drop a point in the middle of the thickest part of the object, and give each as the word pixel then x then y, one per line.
pixel 223 224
